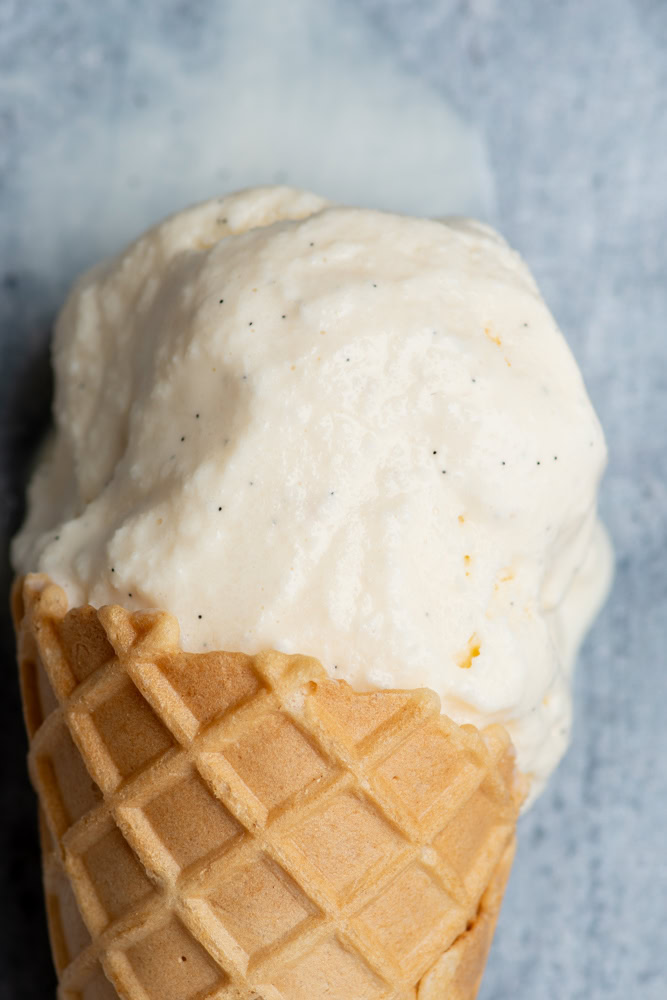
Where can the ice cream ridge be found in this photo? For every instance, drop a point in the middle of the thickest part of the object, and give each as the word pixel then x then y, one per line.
pixel 307 561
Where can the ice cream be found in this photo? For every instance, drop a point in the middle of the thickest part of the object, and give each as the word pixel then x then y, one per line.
pixel 332 431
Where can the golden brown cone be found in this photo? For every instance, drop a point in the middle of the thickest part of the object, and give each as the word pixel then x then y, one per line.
pixel 220 826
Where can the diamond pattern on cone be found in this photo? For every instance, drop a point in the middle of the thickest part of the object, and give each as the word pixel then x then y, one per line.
pixel 225 827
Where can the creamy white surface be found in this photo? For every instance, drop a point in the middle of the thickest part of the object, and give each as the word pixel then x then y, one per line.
pixel 359 436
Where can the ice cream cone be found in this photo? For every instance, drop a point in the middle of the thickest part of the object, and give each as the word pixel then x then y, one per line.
pixel 219 825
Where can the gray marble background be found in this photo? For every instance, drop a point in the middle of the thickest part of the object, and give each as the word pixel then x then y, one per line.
pixel 570 99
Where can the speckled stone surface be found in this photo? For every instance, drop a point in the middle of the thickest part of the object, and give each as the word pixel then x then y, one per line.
pixel 571 101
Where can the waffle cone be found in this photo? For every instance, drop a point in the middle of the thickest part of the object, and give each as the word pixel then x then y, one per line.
pixel 219 826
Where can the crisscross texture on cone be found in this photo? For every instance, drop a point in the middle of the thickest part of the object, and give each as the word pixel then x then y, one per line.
pixel 221 826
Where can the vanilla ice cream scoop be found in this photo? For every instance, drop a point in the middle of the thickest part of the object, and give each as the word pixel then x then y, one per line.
pixel 338 432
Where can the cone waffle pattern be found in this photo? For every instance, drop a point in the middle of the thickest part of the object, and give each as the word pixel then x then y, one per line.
pixel 226 827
